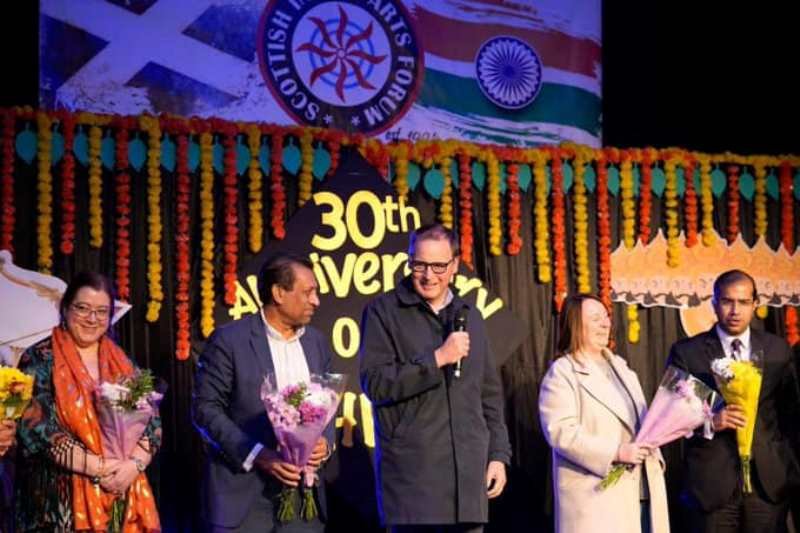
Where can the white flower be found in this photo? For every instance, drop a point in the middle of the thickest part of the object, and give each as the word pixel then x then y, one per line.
pixel 320 397
pixel 721 367
pixel 114 392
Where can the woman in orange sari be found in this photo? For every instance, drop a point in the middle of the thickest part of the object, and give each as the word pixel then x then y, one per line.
pixel 64 483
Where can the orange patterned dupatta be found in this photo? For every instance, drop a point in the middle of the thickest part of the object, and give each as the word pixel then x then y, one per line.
pixel 74 399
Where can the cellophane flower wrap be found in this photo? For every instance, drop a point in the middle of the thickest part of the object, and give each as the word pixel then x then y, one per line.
pixel 123 411
pixel 681 404
pixel 739 382
pixel 299 414
pixel 16 389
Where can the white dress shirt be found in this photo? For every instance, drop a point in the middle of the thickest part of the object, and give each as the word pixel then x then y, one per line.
pixel 447 299
pixel 291 367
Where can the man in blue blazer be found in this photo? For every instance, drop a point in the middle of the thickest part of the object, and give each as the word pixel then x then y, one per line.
pixel 244 474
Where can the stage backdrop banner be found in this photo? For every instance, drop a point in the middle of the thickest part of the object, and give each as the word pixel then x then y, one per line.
pixel 520 73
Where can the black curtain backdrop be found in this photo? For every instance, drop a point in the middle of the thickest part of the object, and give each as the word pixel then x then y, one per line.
pixel 527 502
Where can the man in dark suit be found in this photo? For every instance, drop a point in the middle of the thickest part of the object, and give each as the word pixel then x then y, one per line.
pixel 713 492
pixel 244 473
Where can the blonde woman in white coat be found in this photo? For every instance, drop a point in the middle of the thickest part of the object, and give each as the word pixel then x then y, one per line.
pixel 590 406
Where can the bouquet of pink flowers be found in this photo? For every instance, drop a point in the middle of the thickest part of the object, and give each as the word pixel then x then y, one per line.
pixel 682 404
pixel 299 414
pixel 123 410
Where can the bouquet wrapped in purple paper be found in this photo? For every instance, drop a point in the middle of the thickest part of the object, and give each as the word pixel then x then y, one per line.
pixel 123 410
pixel 682 404
pixel 299 414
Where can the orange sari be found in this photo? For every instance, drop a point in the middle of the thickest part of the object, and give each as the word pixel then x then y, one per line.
pixel 74 399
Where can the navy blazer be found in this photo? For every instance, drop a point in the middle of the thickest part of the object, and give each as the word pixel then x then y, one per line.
pixel 228 412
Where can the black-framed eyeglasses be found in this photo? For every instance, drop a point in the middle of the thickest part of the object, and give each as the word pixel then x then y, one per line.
pixel 436 268
pixel 85 311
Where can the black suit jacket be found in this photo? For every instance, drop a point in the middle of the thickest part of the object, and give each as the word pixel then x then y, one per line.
pixel 712 467
pixel 228 412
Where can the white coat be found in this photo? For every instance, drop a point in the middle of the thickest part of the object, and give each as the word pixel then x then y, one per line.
pixel 585 419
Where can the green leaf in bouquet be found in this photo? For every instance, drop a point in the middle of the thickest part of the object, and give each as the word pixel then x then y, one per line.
pixel 286 512
pixel 308 510
pixel 140 385
pixel 117 517
pixel 613 477
pixel 13 407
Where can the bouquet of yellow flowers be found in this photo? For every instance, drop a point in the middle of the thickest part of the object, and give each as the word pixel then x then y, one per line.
pixel 16 390
pixel 739 382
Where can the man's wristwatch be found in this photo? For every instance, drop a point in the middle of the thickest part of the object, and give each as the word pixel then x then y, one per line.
pixel 140 466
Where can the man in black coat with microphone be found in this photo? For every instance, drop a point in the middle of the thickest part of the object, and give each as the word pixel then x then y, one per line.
pixel 425 363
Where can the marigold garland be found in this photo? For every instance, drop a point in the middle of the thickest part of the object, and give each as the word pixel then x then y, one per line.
pixel 760 199
pixel 733 203
pixel 7 208
pixel 792 331
pixel 514 210
pixel 787 206
pixel 378 156
pixel 707 202
pixel 207 234
pixel 154 225
pixel 603 233
pixel 278 212
pixel 649 156
pixel 183 250
pixel 45 189
pixel 464 207
pixel 424 153
pixel 690 212
pixel 671 212
pixel 634 326
pixel 230 267
pixel 401 168
pixel 305 180
pixel 493 199
pixel 334 148
pixel 255 203
pixel 580 217
pixel 541 243
pixel 559 231
pixel 68 186
pixel 123 209
pixel 95 187
pixel 628 205
pixel 446 202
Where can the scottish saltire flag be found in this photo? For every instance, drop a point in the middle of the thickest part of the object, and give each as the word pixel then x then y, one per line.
pixel 518 72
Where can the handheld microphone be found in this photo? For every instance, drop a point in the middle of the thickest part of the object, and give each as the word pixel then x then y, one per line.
pixel 460 324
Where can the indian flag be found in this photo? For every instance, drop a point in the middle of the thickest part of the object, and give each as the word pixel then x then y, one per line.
pixel 564 35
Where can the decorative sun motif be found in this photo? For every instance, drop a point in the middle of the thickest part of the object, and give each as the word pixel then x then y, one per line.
pixel 341 54
pixel 509 72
